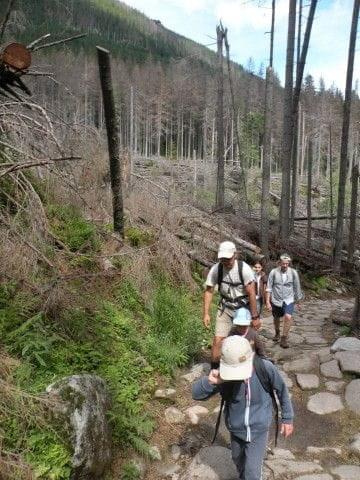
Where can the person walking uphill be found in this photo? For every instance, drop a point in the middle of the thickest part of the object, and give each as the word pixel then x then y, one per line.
pixel 248 406
pixel 282 292
pixel 235 280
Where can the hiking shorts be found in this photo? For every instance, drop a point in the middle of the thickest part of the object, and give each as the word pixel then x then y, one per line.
pixel 223 322
pixel 284 310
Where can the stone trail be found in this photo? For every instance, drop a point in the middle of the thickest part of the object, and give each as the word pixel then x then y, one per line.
pixel 320 369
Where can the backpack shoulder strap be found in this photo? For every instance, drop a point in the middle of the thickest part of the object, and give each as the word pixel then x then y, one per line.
pixel 220 274
pixel 265 380
pixel 241 276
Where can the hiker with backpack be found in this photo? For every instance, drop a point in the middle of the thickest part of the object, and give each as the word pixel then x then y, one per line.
pixel 242 326
pixel 260 285
pixel 236 285
pixel 247 384
pixel 283 291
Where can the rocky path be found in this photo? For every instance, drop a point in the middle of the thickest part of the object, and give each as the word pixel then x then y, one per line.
pixel 322 371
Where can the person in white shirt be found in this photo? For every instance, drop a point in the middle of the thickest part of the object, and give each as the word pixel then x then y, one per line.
pixel 236 284
pixel 282 292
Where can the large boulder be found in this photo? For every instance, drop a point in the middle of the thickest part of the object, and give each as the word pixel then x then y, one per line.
pixel 212 463
pixel 352 396
pixel 344 344
pixel 84 401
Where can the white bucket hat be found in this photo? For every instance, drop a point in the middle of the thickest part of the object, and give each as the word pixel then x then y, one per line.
pixel 226 250
pixel 242 317
pixel 236 361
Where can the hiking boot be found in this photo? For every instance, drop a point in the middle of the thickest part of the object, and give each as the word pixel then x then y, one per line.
pixel 284 342
pixel 276 337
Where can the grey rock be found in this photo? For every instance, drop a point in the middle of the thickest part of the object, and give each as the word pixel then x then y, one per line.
pixel 352 396
pixel 175 452
pixel 174 415
pixel 290 467
pixel 324 354
pixel 212 463
pixel 196 372
pixel 346 344
pixel 168 469
pixel 194 413
pixel 324 403
pixel 315 340
pixel 316 476
pixel 349 361
pixel 331 369
pixel 321 450
pixel 295 338
pixel 333 386
pixel 307 381
pixel 347 472
pixel 355 444
pixel 303 364
pixel 165 393
pixel 85 404
pixel 282 453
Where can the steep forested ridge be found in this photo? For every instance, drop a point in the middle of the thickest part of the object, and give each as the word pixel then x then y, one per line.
pixel 124 30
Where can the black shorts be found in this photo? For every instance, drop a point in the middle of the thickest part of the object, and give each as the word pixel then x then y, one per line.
pixel 283 310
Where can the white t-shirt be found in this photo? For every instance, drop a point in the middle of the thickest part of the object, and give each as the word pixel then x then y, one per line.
pixel 231 276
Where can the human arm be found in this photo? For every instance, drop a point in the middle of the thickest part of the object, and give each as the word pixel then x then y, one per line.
pixel 259 346
pixel 298 294
pixel 250 291
pixel 203 388
pixel 282 392
pixel 208 295
pixel 268 290
pixel 211 282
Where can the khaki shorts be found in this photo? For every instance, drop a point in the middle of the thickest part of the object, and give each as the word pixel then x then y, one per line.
pixel 223 322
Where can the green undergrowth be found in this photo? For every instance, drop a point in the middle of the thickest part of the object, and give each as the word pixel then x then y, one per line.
pixel 105 327
pixel 125 340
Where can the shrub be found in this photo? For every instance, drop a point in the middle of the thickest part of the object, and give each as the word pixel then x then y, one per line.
pixel 72 229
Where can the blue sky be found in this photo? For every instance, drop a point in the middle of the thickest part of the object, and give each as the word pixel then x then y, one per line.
pixel 249 20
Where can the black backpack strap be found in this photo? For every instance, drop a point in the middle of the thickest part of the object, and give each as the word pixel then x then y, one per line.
pixel 241 276
pixel 265 380
pixel 218 419
pixel 220 275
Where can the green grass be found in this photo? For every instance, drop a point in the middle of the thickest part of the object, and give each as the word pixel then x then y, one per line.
pixel 123 339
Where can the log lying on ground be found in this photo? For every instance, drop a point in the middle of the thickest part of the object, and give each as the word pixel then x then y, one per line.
pixel 237 240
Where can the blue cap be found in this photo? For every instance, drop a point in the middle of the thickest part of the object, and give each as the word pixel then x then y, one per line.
pixel 242 317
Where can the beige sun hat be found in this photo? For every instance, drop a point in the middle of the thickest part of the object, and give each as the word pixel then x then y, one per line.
pixel 236 361
pixel 226 250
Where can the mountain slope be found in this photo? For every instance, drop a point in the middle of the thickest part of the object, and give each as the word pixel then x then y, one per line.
pixel 124 30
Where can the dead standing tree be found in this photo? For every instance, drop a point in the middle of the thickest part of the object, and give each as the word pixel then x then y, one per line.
pixel 344 141
pixel 265 190
pixel 111 121
pixel 287 126
pixel 220 183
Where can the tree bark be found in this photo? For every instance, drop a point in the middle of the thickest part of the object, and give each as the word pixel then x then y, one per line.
pixel 112 130
pixel 353 212
pixel 287 126
pixel 295 101
pixel 309 186
pixel 220 184
pixel 344 141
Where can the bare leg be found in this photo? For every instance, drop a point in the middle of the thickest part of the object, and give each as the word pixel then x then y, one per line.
pixel 277 329
pixel 216 349
pixel 286 330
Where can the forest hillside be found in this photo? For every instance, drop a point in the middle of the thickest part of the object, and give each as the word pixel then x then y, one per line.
pixel 77 297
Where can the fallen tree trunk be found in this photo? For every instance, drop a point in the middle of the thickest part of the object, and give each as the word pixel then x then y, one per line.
pixel 239 241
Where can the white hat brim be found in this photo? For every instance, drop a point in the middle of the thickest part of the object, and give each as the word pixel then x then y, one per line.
pixel 225 254
pixel 240 371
